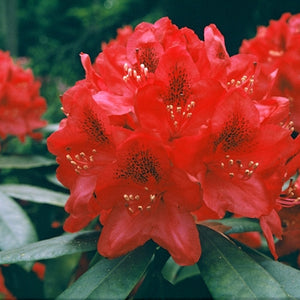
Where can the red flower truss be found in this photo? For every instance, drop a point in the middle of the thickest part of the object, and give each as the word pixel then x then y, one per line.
pixel 166 131
pixel 21 106
pixel 277 47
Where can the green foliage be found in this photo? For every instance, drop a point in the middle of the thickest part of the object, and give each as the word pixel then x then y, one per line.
pixel 16 229
pixel 225 265
pixel 51 248
pixel 112 279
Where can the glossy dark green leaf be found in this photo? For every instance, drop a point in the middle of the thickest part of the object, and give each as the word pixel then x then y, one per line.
pixel 51 248
pixel 230 273
pixel 175 273
pixel 34 194
pixel 16 228
pixel 240 224
pixel 24 161
pixel 112 279
pixel 288 277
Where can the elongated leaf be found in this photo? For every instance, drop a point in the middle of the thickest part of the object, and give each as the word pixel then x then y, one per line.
pixel 50 127
pixel 53 179
pixel 240 225
pixel 230 273
pixel 288 277
pixel 16 228
pixel 175 273
pixel 112 279
pixel 51 248
pixel 34 194
pixel 24 162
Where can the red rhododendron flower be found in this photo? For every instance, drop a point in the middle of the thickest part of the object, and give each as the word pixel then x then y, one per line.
pixel 233 168
pixel 148 199
pixel 277 47
pixel 167 131
pixel 21 106
pixel 84 145
pixel 239 163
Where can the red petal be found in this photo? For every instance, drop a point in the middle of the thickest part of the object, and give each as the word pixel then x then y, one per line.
pixel 270 225
pixel 123 233
pixel 175 230
pixel 244 197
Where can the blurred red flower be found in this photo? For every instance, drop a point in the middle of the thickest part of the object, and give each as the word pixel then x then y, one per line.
pixel 21 105
pixel 277 47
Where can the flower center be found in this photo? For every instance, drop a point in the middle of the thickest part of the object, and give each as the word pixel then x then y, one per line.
pixel 81 162
pixel 245 82
pixel 147 61
pixel 94 127
pixel 136 74
pixel 178 97
pixel 141 167
pixel 236 134
pixel 140 203
pixel 238 168
pixel 148 57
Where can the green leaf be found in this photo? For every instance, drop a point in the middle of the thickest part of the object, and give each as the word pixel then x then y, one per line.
pixel 288 277
pixel 175 273
pixel 16 228
pixel 230 273
pixel 240 224
pixel 112 279
pixel 53 179
pixel 50 128
pixel 51 248
pixel 58 274
pixel 34 194
pixel 24 161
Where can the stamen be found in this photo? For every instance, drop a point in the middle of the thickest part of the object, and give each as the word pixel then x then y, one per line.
pixel 152 198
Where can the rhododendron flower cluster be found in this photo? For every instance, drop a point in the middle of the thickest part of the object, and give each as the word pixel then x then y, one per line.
pixel 167 130
pixel 21 105
pixel 277 48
